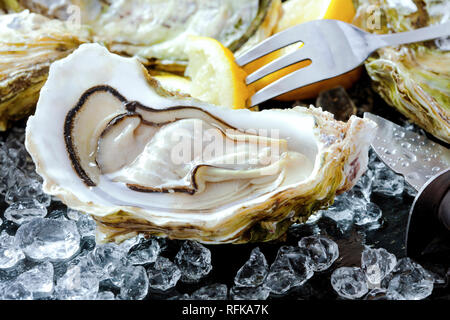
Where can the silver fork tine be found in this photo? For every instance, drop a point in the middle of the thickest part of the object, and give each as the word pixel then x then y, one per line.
pixel 298 55
pixel 334 47
pixel 297 79
pixel 280 40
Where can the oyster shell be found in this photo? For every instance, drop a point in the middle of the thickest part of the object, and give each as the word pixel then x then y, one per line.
pixel 108 141
pixel 158 30
pixel 29 43
pixel 413 78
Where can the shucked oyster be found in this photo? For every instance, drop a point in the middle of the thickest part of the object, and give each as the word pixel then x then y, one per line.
pixel 29 43
pixel 110 142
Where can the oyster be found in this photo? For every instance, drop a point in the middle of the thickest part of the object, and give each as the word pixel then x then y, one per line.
pixel 108 141
pixel 413 78
pixel 29 43
pixel 158 30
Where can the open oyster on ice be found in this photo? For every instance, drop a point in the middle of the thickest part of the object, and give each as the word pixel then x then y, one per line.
pixel 108 141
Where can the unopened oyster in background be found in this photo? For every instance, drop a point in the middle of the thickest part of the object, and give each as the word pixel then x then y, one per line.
pixel 107 140
pixel 29 43
pixel 414 78
pixel 154 31
pixel 158 30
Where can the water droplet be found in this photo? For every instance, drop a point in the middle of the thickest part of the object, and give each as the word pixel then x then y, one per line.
pixel 413 176
pixel 406 145
pixel 390 152
pixel 436 169
pixel 399 135
pixel 410 156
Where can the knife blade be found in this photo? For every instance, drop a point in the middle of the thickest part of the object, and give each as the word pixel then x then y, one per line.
pixel 410 154
pixel 426 166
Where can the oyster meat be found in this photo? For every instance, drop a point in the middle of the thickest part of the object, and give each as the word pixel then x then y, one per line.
pixel 29 43
pixel 108 141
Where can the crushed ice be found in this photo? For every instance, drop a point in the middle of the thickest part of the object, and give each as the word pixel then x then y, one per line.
pixel 48 251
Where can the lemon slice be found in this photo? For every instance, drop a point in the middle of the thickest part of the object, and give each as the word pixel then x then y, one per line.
pixel 174 83
pixel 296 12
pixel 299 11
pixel 215 77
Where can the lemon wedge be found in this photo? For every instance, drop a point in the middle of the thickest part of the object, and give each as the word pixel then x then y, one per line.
pixel 299 11
pixel 296 12
pixel 174 83
pixel 215 77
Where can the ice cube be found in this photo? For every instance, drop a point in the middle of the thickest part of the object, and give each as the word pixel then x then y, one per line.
pixel 280 280
pixel 74 214
pixel 135 284
pixel 6 240
pixel 38 280
pixel 211 292
pixel 43 238
pixel 254 271
pixel 58 214
pixel 369 214
pixel 127 244
pixel 408 281
pixel 341 212
pixel 104 261
pixel 183 296
pixel 364 184
pixel 105 295
pixel 377 294
pixel 163 274
pixel 10 257
pixel 15 291
pixel 24 211
pixel 145 255
pixel 291 268
pixel 194 261
pixel 410 190
pixel 322 251
pixel 10 254
pixel 77 284
pixel 242 293
pixel 26 189
pixel 349 282
pixel 377 264
pixel 86 226
pixel 388 182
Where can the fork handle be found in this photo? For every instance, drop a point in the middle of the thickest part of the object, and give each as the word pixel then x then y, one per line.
pixel 418 35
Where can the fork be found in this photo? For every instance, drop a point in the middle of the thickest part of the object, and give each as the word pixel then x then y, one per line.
pixel 334 48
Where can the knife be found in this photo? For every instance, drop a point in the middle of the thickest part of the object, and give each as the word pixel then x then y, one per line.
pixel 426 167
